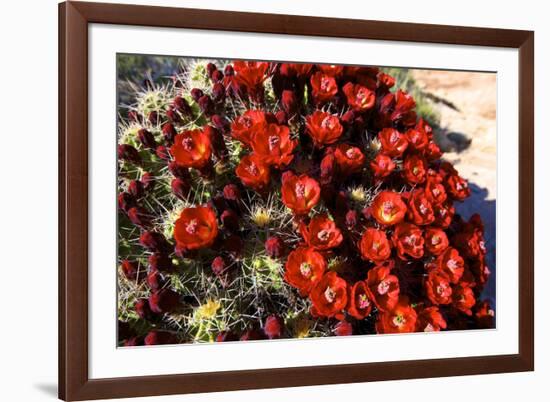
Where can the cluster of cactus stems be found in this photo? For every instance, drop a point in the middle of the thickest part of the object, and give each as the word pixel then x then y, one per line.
pixel 208 232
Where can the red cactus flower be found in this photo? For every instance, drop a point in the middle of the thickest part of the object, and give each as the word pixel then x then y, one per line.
pixel 388 208
pixel 457 187
pixel 360 98
pixel 383 287
pixel 323 128
pixel 382 166
pixel 374 245
pixel 196 228
pixel 304 268
pixel 253 172
pixel 300 193
pixel 360 305
pixel 451 263
pixel 436 240
pixel 275 247
pixel 393 142
pixel 463 298
pixel 420 210
pixel 192 149
pixel 329 296
pixel 331 69
pixel 435 191
pixel 418 139
pixel 251 74
pixel 274 327
pixel 408 241
pixel 245 127
pixel 414 169
pixel 402 318
pixel 321 233
pixel 274 145
pixel 430 319
pixel 443 215
pixel 349 159
pixel 323 87
pixel 438 288
pixel 385 80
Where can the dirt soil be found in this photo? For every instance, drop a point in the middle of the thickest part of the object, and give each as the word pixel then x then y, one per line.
pixel 466 102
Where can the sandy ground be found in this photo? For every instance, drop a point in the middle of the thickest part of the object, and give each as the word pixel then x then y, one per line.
pixel 467 104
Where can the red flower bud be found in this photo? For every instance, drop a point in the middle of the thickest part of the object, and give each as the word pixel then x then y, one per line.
pixel 180 188
pixel 196 94
pixel 220 122
pixel 160 338
pixel 231 192
pixel 210 68
pixel 233 244
pixel 155 280
pixel 154 241
pixel 219 266
pixel 343 328
pixel 160 262
pixel 136 188
pixel 128 153
pixel 281 117
pixel 228 70
pixel 230 220
pixel 164 301
pixel 147 139
pixel 153 117
pixel 163 152
pixel 173 116
pixel 218 93
pixel 178 170
pixel 275 247
pixel 148 181
pixel 217 76
pixel 351 219
pixel 143 310
pixel 273 327
pixel 131 270
pixel 126 201
pixel 253 335
pixel 139 217
pixel 206 105
pixel 226 336
pixel 181 105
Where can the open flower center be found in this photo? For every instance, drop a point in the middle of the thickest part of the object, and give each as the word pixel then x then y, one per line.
pixel 394 137
pixel 300 190
pixel 452 264
pixel 435 240
pixel 383 287
pixel 350 153
pixel 387 208
pixel 246 121
pixel 363 301
pixel 325 83
pixel 327 123
pixel 305 269
pixel 423 209
pixel 429 328
pixel 323 235
pixel 441 288
pixel 399 320
pixel 191 227
pixel 187 143
pixel 252 169
pixel 409 240
pixel 330 294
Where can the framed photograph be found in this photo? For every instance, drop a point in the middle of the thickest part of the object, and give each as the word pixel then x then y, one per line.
pixel 259 201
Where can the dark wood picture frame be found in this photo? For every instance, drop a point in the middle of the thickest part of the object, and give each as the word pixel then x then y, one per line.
pixel 74 382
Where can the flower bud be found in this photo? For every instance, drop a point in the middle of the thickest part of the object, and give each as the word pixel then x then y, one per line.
pixel 134 341
pixel 147 139
pixel 136 188
pixel 348 118
pixel 143 310
pixel 210 68
pixel 218 93
pixel 163 153
pixel 273 327
pixel 228 70
pixel 153 117
pixel 126 201
pixel 343 328
pixel 133 116
pixel 217 76
pixel 169 132
pixel 275 247
pixel 164 301
pixel 253 335
pixel 173 116
pixel 219 266
pixel 196 94
pixel 230 220
pixel 128 153
pixel 180 188
pixel 131 270
pixel 139 217
pixel 155 280
pixel 351 219
pixel 159 338
pixel 178 171
pixel 233 244
pixel 282 118
pixel 181 105
pixel 148 181
pixel 160 262
pixel 231 192
pixel 220 122
pixel 289 102
pixel 154 241
pixel 206 105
